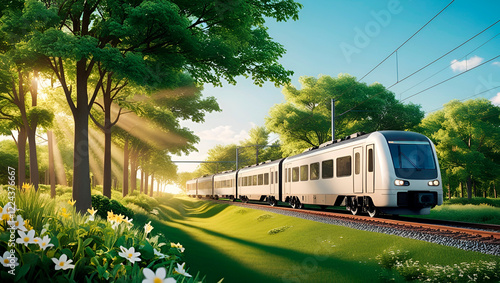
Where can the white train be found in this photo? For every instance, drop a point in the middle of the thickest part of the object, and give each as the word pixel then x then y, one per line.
pixel 393 172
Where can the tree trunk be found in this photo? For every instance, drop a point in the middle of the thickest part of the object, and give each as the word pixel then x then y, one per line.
pixel 81 165
pixel 152 184
pixel 494 190
pixel 52 171
pixel 34 174
pixel 106 187
pixel 469 187
pixel 146 181
pixel 133 172
pixel 125 169
pixel 142 181
pixel 21 152
pixel 31 129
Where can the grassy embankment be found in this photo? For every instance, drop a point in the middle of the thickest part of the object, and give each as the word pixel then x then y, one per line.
pixel 477 210
pixel 247 245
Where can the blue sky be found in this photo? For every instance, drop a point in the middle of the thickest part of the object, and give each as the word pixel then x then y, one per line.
pixel 333 37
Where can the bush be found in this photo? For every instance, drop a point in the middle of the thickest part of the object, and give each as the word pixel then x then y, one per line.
pixel 144 201
pixel 103 204
pixel 97 250
pixel 475 201
pixel 399 262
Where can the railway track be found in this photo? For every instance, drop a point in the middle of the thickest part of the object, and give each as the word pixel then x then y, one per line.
pixel 483 233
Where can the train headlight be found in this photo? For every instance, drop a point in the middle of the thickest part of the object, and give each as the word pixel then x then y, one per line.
pixel 434 183
pixel 401 183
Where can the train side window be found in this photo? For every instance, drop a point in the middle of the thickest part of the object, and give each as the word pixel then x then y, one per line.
pixel 295 174
pixel 272 175
pixel 276 177
pixel 357 163
pixel 261 179
pixel 327 169
pixel 315 171
pixel 254 181
pixel 370 160
pixel 344 166
pixel 266 178
pixel 289 175
pixel 304 172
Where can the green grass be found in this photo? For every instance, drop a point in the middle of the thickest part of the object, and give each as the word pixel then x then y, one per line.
pixel 235 243
pixel 476 201
pixel 466 213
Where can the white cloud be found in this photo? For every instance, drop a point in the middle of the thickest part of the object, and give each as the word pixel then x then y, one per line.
pixel 460 66
pixel 223 134
pixel 496 99
pixel 497 63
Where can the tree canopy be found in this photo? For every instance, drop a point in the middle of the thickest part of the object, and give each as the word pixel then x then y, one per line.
pixel 466 136
pixel 304 120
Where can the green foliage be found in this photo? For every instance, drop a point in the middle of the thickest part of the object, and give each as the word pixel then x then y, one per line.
pixel 257 141
pixel 8 158
pixel 304 120
pixel 411 270
pixel 93 246
pixel 474 201
pixel 103 205
pixel 275 231
pixel 466 136
pixel 142 200
pixel 391 257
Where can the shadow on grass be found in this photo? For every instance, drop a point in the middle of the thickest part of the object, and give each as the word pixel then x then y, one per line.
pixel 218 255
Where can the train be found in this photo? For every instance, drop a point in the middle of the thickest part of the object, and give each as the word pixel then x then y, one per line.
pixel 390 172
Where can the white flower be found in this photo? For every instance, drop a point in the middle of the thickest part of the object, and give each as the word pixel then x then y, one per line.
pixel 7 259
pixel 154 211
pixel 18 224
pixel 178 246
pixel 148 227
pixel 63 262
pixel 160 275
pixel 130 254
pixel 26 238
pixel 45 242
pixel 6 211
pixel 180 269
pixel 128 221
pixel 160 255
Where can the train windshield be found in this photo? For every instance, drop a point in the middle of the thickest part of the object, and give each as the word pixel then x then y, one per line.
pixel 413 159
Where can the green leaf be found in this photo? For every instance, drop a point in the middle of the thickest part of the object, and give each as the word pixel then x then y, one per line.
pixel 23 270
pixel 89 252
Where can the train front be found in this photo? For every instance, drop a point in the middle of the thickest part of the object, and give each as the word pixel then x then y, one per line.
pixel 415 180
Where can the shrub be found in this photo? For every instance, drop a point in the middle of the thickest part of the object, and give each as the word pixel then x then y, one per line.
pixel 94 248
pixel 144 201
pixel 409 269
pixel 389 258
pixel 103 204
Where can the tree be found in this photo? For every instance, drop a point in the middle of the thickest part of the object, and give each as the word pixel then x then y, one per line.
pixel 466 135
pixel 256 144
pixel 150 40
pixel 304 120
pixel 20 69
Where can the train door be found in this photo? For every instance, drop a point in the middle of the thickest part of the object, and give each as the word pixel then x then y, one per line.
pixel 273 182
pixel 358 176
pixel 287 179
pixel 370 169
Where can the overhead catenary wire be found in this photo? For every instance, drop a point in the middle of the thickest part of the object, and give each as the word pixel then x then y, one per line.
pixel 463 99
pixel 435 85
pixel 429 64
pixel 446 67
pixel 428 22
